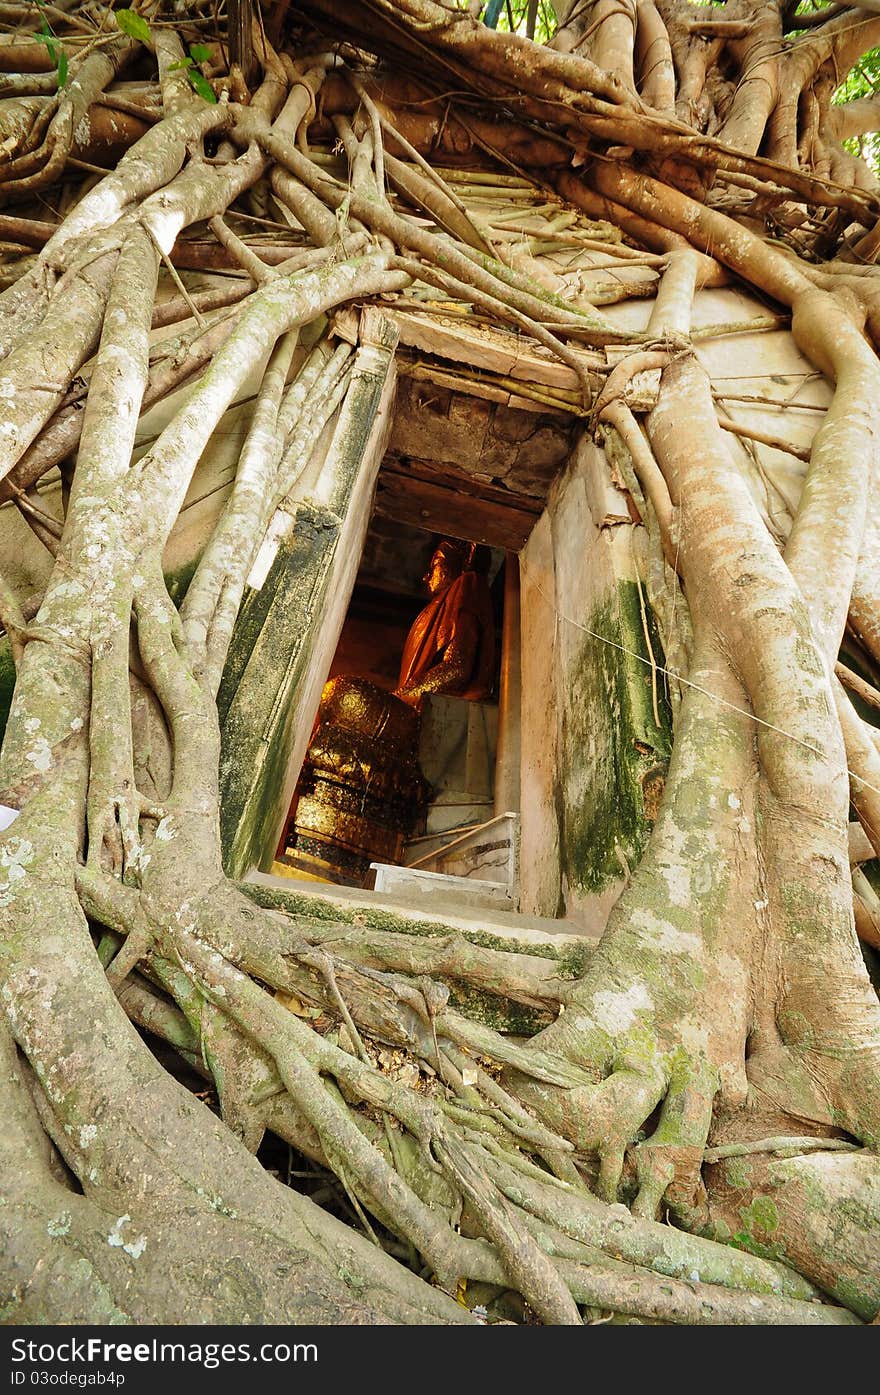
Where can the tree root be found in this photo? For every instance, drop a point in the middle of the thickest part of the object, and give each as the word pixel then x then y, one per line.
pixel 643 1086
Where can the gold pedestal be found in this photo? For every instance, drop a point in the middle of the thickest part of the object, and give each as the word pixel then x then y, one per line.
pixel 361 791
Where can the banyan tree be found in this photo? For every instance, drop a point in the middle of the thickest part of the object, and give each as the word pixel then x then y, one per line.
pixel 287 286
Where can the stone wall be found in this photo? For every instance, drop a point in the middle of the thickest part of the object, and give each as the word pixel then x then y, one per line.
pixel 593 753
pixel 293 611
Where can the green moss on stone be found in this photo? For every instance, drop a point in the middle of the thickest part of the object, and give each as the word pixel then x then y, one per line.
pixel 500 1014
pixel 764 1214
pixel 738 1173
pixel 759 1220
pixel 7 682
pixel 276 635
pixel 572 959
pixel 269 658
pixel 613 745
pixel 852 1296
pixel 178 581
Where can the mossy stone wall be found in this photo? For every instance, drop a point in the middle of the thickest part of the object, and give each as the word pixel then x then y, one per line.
pixel 597 753
pixel 289 625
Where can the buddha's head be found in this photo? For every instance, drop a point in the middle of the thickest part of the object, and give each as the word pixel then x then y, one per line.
pixel 447 562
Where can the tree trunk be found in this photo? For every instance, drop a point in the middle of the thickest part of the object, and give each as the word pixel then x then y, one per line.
pixel 715 1062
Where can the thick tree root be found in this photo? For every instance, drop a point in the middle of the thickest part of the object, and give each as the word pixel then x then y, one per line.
pixel 726 1007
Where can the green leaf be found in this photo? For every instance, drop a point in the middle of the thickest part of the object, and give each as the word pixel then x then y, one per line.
pixel 46 37
pixel 62 69
pixel 200 52
pixel 202 86
pixel 133 25
pixel 184 63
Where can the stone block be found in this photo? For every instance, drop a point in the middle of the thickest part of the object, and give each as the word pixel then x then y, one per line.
pixel 291 616
pixel 439 890
pixel 457 745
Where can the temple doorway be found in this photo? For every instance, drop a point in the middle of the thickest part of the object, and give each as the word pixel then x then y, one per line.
pixel 410 785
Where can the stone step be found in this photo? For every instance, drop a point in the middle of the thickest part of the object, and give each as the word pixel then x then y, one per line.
pixel 353 905
pixel 425 887
pixel 486 852
pixel 456 809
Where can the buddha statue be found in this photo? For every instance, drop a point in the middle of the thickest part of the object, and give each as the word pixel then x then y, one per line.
pixel 361 791
pixel 451 645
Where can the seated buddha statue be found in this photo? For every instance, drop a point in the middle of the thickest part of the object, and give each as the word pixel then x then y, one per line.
pixel 361 790
pixel 451 645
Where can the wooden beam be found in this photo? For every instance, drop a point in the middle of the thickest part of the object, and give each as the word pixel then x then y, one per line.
pixel 241 44
pixel 442 509
pixel 481 346
pixel 462 480
pixel 275 22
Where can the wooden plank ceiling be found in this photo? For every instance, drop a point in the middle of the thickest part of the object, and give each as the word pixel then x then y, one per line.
pixel 485 418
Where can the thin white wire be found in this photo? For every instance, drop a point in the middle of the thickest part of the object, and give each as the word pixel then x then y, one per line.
pixel 707 692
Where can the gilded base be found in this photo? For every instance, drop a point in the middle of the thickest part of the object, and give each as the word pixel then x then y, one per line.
pixel 361 791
